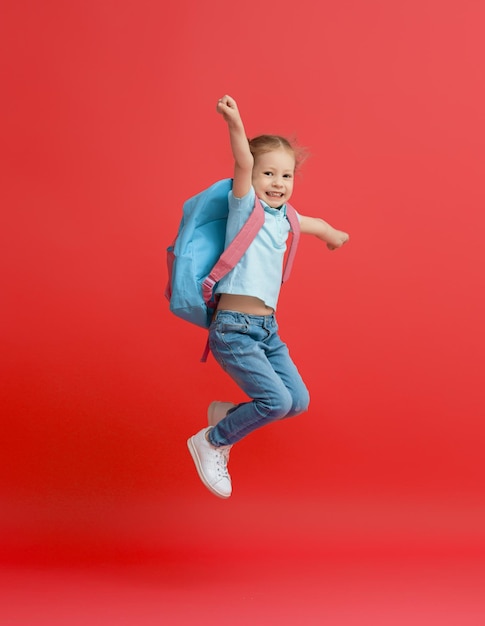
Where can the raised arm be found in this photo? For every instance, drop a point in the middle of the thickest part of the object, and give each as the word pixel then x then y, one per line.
pixel 315 226
pixel 243 159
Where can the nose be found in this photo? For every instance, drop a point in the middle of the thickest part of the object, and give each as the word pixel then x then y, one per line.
pixel 277 182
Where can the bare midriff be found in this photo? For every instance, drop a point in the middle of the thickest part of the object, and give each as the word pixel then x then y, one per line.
pixel 243 304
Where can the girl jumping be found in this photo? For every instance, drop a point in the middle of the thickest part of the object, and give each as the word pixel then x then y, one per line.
pixel 243 336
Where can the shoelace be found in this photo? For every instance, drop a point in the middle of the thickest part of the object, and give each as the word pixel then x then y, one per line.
pixel 223 460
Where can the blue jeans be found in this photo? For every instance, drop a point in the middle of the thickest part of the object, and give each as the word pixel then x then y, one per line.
pixel 250 350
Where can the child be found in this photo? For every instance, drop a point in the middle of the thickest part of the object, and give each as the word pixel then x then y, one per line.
pixel 243 336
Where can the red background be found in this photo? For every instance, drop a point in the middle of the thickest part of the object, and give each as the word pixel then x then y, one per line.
pixel 109 123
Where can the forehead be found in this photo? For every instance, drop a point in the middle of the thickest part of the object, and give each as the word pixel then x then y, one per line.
pixel 276 159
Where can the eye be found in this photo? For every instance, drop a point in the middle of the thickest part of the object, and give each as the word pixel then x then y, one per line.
pixel 268 173
pixel 287 176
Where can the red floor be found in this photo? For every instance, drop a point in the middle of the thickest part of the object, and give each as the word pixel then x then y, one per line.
pixel 227 591
pixel 245 563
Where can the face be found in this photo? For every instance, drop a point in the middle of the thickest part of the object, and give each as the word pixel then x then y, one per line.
pixel 273 175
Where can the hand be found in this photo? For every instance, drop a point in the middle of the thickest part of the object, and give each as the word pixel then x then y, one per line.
pixel 227 107
pixel 339 238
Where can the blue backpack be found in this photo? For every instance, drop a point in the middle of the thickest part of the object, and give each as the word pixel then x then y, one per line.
pixel 197 259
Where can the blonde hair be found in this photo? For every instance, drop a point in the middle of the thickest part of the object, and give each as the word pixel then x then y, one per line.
pixel 267 143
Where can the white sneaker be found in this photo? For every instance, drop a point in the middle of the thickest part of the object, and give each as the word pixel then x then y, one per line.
pixel 211 464
pixel 218 411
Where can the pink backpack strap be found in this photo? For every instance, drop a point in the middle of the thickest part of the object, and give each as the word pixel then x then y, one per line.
pixel 231 257
pixel 295 228
pixel 205 354
pixel 234 251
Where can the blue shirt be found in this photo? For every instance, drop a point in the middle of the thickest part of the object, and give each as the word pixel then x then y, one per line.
pixel 259 272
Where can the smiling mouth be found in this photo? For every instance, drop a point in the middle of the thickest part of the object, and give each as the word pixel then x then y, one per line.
pixel 274 194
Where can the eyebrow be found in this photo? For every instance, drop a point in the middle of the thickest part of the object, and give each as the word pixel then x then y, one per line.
pixel 272 167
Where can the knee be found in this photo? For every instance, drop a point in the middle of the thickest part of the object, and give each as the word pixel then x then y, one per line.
pixel 306 402
pixel 285 404
pixel 300 404
pixel 278 406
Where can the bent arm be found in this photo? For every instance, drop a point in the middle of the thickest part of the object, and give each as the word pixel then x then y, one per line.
pixel 316 226
pixel 243 159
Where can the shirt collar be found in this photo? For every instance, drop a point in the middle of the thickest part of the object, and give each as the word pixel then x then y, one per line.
pixel 269 209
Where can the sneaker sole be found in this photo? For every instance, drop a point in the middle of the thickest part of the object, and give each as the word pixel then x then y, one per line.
pixel 195 457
